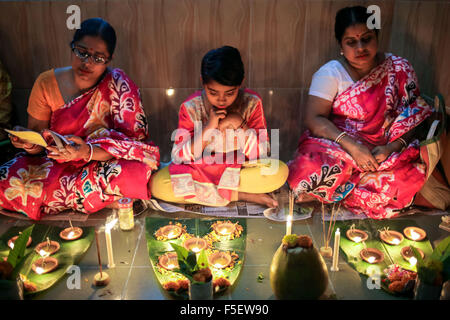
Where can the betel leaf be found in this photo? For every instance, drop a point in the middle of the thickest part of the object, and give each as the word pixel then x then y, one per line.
pixel 182 252
pixel 420 262
pixel 18 252
pixel 191 261
pixel 442 250
pixel 202 261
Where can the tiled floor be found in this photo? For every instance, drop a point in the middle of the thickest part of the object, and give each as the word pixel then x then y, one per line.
pixel 133 277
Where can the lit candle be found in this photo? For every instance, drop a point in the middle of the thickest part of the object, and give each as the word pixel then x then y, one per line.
pixel 357 239
pixel 289 225
pixel 395 241
pixel 291 214
pixel 413 261
pixel 108 228
pixel 371 259
pixel 337 238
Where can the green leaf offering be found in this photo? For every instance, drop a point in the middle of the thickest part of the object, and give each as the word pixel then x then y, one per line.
pixel 18 252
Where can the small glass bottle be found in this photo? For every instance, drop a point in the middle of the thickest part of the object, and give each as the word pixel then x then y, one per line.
pixel 126 218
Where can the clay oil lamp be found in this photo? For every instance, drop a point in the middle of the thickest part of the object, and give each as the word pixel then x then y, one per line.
pixel 219 260
pixel 393 238
pixel 44 265
pixel 47 248
pixel 356 235
pixel 71 233
pixel 372 255
pixel 13 240
pixel 195 244
pixel 169 232
pixel 169 261
pixel 414 233
pixel 224 228
pixel 408 255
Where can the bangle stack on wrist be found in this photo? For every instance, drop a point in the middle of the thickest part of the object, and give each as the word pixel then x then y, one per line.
pixel 403 142
pixel 340 136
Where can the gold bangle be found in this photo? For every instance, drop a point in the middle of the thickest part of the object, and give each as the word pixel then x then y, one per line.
pixel 340 136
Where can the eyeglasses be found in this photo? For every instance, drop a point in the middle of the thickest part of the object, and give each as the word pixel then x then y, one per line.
pixel 83 55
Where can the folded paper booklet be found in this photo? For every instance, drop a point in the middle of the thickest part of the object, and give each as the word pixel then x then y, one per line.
pixel 36 138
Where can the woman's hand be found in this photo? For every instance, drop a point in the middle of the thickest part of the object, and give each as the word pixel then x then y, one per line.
pixel 231 121
pixel 22 144
pixel 215 115
pixel 381 153
pixel 71 152
pixel 363 157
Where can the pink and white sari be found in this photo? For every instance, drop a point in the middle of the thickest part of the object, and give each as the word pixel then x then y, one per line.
pixel 110 116
pixel 374 111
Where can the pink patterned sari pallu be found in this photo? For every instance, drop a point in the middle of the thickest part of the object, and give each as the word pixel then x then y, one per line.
pixel 376 110
pixel 110 116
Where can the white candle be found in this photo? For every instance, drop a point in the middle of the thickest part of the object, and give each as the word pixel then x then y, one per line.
pixel 337 238
pixel 109 243
pixel 289 225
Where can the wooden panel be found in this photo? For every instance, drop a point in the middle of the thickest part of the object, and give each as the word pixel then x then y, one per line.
pixel 162 114
pixel 178 33
pixel 277 44
pixel 283 109
pixel 420 34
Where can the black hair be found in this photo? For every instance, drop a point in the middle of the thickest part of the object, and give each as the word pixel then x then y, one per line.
pixel 97 27
pixel 223 65
pixel 350 16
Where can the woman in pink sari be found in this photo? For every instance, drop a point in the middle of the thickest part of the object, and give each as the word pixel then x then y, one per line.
pixel 359 147
pixel 100 113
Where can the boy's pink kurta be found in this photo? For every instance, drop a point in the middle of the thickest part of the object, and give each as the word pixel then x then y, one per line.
pixel 204 180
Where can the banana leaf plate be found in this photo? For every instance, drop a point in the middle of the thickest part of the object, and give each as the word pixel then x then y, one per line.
pixel 69 254
pixel 392 253
pixel 199 228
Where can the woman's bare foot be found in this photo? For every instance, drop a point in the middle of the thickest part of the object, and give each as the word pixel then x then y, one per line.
pixel 303 198
pixel 113 205
pixel 260 198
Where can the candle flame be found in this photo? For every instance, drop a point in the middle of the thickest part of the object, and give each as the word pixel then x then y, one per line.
pixel 171 266
pixel 171 235
pixel 371 259
pixel 357 239
pixel 196 249
pixel 414 235
pixel 413 261
pixel 395 241
pixel 11 245
pixel 218 265
pixel 110 224
pixel 39 270
pixel 43 253
pixel 71 234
